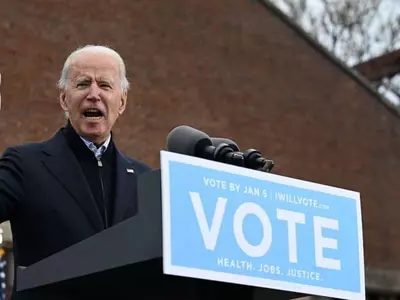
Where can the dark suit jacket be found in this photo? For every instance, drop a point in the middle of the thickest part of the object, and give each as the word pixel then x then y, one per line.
pixel 44 194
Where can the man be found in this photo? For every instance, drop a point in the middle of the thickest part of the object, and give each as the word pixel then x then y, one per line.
pixel 58 192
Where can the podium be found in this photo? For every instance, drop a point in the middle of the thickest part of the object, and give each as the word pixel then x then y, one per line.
pixel 126 262
pixel 208 230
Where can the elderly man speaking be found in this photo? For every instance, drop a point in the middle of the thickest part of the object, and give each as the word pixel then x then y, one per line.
pixel 58 192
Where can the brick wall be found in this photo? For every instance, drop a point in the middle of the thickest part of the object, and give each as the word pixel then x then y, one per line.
pixel 229 67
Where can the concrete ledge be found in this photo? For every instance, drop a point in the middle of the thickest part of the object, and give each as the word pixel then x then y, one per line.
pixel 382 280
pixel 377 281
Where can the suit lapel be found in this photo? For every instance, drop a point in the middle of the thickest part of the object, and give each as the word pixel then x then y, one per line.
pixel 61 162
pixel 125 204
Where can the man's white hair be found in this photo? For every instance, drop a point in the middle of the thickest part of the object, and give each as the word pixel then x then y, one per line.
pixel 63 81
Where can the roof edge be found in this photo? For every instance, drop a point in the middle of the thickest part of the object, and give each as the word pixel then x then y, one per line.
pixel 363 81
pixel 378 67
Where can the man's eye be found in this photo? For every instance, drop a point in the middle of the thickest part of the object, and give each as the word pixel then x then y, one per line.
pixel 82 84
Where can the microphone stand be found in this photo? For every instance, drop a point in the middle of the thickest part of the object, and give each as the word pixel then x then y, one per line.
pixel 251 158
pixel 254 160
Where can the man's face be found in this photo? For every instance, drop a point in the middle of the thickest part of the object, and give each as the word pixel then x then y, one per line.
pixel 93 97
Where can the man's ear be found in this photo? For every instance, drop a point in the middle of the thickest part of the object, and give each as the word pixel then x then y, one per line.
pixel 63 103
pixel 122 105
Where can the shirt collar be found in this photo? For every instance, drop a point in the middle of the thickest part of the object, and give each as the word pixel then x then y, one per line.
pixel 98 152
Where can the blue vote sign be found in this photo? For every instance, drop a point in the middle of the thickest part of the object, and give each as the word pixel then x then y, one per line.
pixel 231 224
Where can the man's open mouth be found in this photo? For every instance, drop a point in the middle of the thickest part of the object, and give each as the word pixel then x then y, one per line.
pixel 93 114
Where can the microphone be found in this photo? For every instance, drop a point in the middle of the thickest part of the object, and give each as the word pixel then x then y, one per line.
pixel 190 141
pixel 193 142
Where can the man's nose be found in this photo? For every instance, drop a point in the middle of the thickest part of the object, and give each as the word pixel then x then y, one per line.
pixel 94 92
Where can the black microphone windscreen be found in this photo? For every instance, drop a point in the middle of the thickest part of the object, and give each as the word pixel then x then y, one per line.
pixel 217 141
pixel 187 140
